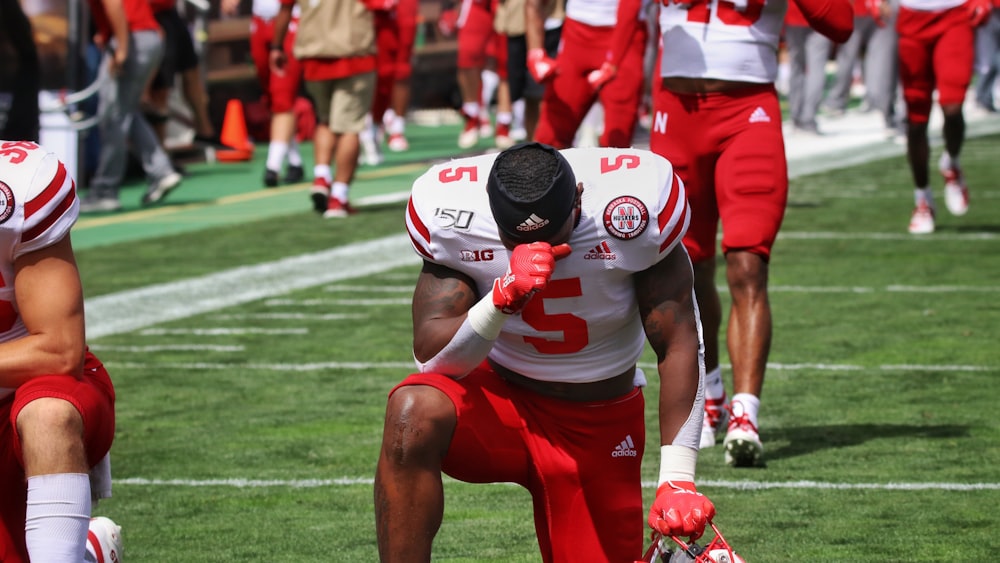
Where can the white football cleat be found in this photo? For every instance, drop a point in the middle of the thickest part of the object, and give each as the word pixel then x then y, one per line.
pixel 922 220
pixel 469 137
pixel 104 541
pixel 398 143
pixel 742 442
pixel 715 419
pixel 956 193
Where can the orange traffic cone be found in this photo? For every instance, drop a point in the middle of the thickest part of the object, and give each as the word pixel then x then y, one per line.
pixel 234 134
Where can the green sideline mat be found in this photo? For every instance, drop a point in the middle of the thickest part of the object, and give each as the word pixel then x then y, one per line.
pixel 224 193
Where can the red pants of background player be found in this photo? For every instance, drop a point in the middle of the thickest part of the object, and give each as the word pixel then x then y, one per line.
pixel 728 149
pixel 568 97
pixel 936 50
pixel 281 89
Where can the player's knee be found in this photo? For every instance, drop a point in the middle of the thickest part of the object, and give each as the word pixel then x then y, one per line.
pixel 49 416
pixel 746 272
pixel 419 421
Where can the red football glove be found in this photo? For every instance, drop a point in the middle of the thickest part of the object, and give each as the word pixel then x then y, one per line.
pixel 530 268
pixel 680 510
pixel 599 77
pixel 979 11
pixel 540 65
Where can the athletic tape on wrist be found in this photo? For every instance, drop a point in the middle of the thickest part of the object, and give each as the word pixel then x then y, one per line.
pixel 677 463
pixel 485 319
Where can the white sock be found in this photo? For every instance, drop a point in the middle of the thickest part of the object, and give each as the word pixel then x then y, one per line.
pixel 294 156
pixel 746 403
pixel 57 516
pixel 397 126
pixel 948 162
pixel 490 81
pixel 388 117
pixel 713 384
pixel 923 195
pixel 323 171
pixel 471 109
pixel 276 152
pixel 504 118
pixel 339 190
pixel 518 111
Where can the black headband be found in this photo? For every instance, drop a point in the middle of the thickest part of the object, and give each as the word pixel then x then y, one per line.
pixel 541 219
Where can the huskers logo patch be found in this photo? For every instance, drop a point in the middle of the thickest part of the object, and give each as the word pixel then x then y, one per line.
pixel 6 202
pixel 626 217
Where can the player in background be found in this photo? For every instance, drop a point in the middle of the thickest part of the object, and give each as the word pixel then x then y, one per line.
pixel 280 90
pixel 936 52
pixel 717 119
pixel 597 61
pixel 395 34
pixel 536 298
pixel 57 403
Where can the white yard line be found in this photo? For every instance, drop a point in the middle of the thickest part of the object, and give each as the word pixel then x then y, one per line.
pixel 707 483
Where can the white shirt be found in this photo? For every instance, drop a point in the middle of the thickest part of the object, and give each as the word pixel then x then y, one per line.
pixel 585 326
pixel 733 44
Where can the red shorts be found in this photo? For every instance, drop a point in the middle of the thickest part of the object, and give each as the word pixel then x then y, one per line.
pixel 394 47
pixel 580 461
pixel 569 96
pixel 936 50
pixel 282 89
pixel 475 33
pixel 728 149
pixel 93 397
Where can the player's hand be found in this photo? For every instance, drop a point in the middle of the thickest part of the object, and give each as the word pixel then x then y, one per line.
pixel 528 272
pixel 979 11
pixel 540 65
pixel 879 11
pixel 277 59
pixel 680 510
pixel 601 76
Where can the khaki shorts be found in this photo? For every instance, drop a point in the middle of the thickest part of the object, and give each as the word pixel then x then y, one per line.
pixel 342 103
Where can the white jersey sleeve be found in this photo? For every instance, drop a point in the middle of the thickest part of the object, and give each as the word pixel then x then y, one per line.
pixel 585 326
pixel 715 39
pixel 38 206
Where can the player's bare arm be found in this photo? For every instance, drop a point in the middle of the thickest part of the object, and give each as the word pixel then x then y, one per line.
pixel 666 305
pixel 50 300
pixel 441 300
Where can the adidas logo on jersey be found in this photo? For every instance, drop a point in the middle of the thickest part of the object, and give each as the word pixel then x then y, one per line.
pixel 600 252
pixel 759 116
pixel 625 449
pixel 532 223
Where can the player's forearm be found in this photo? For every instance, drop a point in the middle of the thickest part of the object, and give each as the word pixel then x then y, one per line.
pixel 534 24
pixel 626 26
pixel 682 399
pixel 116 19
pixel 832 18
pixel 36 355
pixel 281 21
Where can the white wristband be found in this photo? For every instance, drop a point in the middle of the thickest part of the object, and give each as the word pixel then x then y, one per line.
pixel 677 463
pixel 485 319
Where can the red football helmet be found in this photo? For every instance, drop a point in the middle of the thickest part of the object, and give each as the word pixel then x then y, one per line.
pixel 717 550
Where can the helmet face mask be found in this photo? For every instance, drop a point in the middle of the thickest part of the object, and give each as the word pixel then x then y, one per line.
pixel 716 551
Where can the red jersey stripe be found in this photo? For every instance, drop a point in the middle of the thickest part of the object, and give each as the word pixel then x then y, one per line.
pixel 420 247
pixel 33 205
pixel 419 225
pixel 57 213
pixel 668 209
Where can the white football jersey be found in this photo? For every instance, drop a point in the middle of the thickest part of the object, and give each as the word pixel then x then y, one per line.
pixel 715 39
pixel 585 326
pixel 931 5
pixel 598 13
pixel 38 206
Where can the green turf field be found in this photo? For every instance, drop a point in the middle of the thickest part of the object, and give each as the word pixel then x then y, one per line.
pixel 252 360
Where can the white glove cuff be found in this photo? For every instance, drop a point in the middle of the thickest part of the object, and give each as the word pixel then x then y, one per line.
pixel 485 319
pixel 677 463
